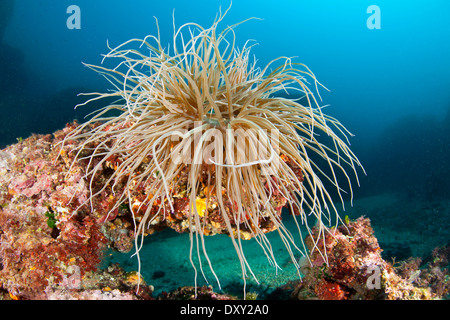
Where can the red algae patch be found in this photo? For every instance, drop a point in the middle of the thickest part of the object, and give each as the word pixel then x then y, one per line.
pixel 43 241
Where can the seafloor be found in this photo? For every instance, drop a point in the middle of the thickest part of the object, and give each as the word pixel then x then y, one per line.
pixel 47 252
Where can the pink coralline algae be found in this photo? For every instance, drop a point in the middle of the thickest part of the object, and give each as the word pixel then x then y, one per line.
pixel 42 238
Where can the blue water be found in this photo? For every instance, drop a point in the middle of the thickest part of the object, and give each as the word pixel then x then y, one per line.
pixel 389 86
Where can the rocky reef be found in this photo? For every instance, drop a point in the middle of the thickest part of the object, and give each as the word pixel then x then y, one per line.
pixel 352 268
pixel 44 246
pixel 51 244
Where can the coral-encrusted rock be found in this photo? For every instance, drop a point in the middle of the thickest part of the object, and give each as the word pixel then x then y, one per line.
pixel 352 268
pixel 42 237
pixel 113 283
pixel 188 293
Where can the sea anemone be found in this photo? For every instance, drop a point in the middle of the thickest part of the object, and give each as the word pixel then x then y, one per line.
pixel 205 140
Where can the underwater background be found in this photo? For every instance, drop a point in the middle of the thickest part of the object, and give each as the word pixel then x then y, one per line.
pixel 389 85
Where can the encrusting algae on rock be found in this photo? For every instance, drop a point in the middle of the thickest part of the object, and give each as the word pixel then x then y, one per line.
pixel 42 242
pixel 355 270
